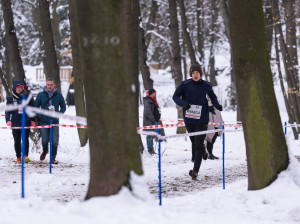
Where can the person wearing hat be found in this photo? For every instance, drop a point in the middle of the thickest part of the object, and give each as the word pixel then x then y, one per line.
pixel 191 96
pixel 14 119
pixel 151 116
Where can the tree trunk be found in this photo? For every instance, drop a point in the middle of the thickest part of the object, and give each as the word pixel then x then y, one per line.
pixel 176 57
pixel 142 52
pixel 55 26
pixel 291 77
pixel 199 31
pixel 151 21
pixel 77 73
pixel 12 41
pixel 268 24
pixel 50 59
pixel 291 35
pixel 186 35
pixel 286 101
pixel 266 149
pixel 111 93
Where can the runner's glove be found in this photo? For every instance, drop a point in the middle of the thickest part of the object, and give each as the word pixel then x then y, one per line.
pixel 219 107
pixel 186 107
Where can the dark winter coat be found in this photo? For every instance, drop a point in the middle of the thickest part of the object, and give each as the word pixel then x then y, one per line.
pixel 42 100
pixel 191 92
pixel 16 99
pixel 151 112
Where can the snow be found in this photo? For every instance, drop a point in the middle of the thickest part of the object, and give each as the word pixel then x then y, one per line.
pixel 59 197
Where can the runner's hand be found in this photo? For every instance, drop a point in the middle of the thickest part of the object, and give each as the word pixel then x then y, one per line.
pixel 8 123
pixel 186 107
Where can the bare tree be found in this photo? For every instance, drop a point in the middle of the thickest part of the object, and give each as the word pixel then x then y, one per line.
pixel 266 149
pixel 110 89
pixel 12 41
pixel 50 60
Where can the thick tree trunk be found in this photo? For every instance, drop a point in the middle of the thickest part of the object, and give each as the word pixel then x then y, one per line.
pixel 186 35
pixel 77 73
pixel 266 149
pixel 55 28
pixel 50 59
pixel 142 52
pixel 110 89
pixel 268 24
pixel 12 41
pixel 176 57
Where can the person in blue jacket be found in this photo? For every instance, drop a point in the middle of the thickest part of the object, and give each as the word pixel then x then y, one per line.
pixel 52 100
pixel 191 95
pixel 14 118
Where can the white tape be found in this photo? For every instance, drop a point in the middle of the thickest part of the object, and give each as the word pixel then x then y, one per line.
pixel 79 120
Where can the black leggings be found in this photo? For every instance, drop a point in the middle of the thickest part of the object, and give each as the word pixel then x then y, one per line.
pixel 197 143
pixel 210 145
pixel 17 134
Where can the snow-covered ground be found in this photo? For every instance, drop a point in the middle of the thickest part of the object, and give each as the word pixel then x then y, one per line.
pixel 59 197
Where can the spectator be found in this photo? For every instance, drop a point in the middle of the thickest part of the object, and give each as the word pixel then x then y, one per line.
pixel 50 99
pixel 14 119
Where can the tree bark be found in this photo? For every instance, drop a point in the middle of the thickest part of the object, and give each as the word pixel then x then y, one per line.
pixel 50 59
pixel 186 35
pixel 268 24
pixel 176 57
pixel 142 52
pixel 55 26
pixel 266 149
pixel 12 41
pixel 109 81
pixel 151 21
pixel 199 31
pixel 77 73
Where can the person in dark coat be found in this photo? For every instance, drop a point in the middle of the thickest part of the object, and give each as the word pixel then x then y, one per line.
pixel 14 119
pixel 191 95
pixel 151 116
pixel 50 99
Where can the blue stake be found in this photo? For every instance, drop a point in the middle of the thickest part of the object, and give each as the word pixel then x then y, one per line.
pixel 159 167
pixel 223 127
pixel 285 128
pixel 23 149
pixel 50 164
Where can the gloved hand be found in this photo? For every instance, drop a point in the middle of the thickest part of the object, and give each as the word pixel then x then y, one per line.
pixel 212 110
pixel 32 123
pixel 8 123
pixel 219 107
pixel 186 107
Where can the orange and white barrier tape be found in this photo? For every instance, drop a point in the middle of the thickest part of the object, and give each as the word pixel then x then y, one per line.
pixel 70 126
pixel 27 127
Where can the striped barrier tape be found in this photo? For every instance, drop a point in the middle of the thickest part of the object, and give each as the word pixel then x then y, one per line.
pixel 70 126
pixel 15 107
pixel 182 124
pixel 46 126
pixel 186 134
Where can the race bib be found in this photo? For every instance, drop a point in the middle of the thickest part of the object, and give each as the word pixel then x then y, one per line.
pixel 20 110
pixel 51 108
pixel 194 112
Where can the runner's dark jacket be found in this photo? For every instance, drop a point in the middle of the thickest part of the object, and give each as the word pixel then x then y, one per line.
pixel 58 101
pixel 16 99
pixel 191 92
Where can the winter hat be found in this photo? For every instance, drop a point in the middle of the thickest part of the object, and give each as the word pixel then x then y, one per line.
pixel 20 85
pixel 196 67
pixel 150 91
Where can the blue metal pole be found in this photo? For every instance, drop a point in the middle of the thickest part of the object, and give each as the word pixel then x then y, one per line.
pixel 223 127
pixel 50 164
pixel 23 150
pixel 285 128
pixel 159 167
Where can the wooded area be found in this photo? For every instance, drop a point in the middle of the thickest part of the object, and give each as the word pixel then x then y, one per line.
pixel 112 42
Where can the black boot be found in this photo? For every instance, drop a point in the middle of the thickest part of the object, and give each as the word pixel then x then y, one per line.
pixel 193 174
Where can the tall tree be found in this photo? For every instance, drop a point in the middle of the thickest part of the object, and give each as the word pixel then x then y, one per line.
pixel 268 24
pixel 266 149
pixel 175 48
pixel 12 41
pixel 142 51
pixel 186 34
pixel 199 31
pixel 77 72
pixel 110 90
pixel 50 60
